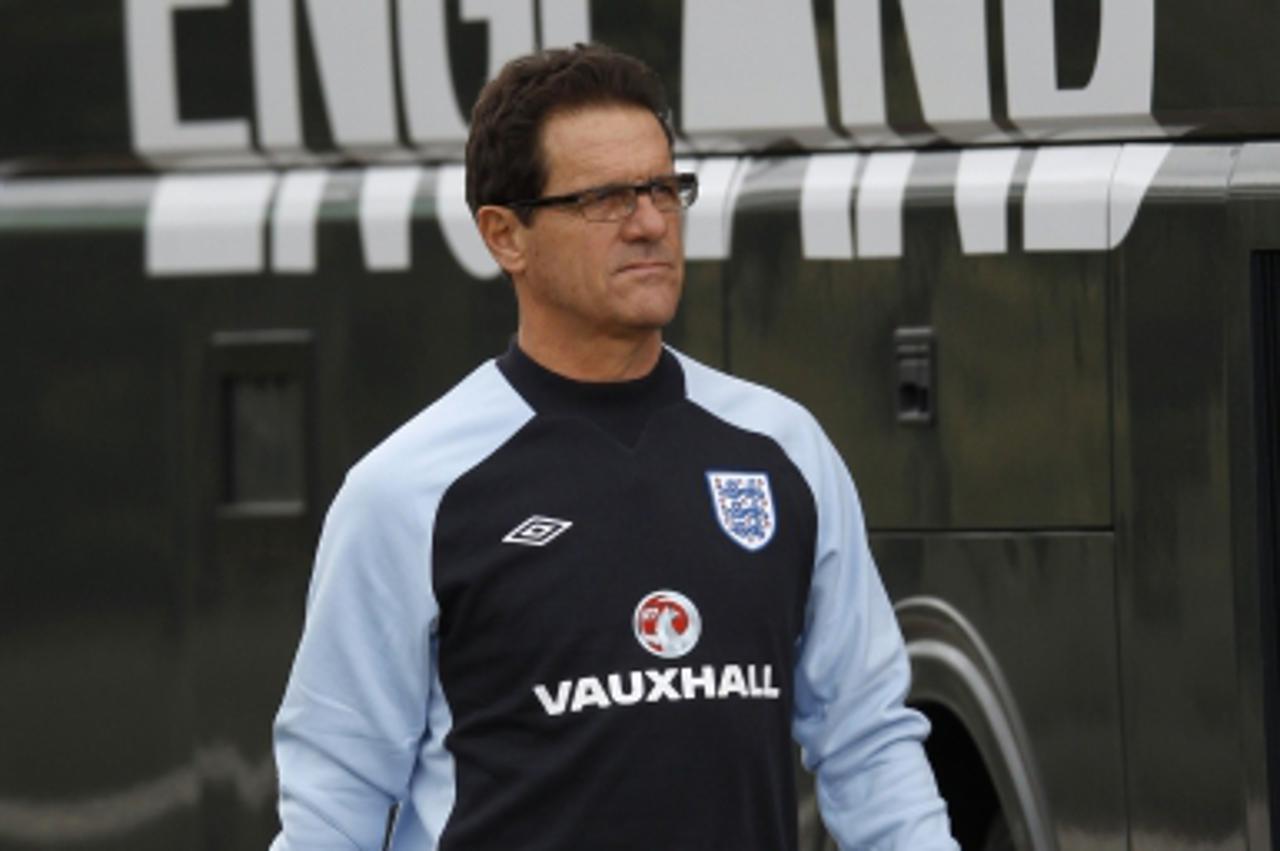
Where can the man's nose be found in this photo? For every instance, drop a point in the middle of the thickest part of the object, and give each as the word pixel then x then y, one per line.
pixel 647 222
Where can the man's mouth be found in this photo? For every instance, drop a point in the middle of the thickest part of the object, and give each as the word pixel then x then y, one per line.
pixel 645 266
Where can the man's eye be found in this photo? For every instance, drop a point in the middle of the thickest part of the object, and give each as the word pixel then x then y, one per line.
pixel 615 195
pixel 667 190
pixel 609 198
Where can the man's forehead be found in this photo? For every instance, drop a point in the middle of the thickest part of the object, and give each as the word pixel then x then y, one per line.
pixel 603 143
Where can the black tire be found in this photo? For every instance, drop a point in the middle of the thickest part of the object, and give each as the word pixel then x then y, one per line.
pixel 998 836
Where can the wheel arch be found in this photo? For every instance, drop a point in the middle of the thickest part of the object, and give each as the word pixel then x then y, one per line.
pixel 955 674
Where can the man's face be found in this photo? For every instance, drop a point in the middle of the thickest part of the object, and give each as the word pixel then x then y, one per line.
pixel 590 279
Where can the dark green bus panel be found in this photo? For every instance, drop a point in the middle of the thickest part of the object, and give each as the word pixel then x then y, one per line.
pixel 175 442
pixel 1017 360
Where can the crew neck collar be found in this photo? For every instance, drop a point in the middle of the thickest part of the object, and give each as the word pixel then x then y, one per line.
pixel 620 407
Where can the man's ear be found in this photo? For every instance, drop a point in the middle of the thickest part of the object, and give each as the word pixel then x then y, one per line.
pixel 503 233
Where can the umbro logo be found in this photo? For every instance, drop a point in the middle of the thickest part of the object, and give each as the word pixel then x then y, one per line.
pixel 537 531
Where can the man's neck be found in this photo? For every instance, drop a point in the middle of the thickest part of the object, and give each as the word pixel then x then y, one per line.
pixel 601 358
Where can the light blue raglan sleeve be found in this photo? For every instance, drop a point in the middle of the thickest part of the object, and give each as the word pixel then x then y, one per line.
pixel 875 787
pixel 354 711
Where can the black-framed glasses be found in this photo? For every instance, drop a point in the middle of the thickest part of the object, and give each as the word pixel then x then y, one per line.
pixel 614 202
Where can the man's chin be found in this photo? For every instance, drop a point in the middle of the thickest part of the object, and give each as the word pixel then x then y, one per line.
pixel 654 312
pixel 640 323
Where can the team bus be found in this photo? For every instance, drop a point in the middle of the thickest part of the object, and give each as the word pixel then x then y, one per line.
pixel 1021 258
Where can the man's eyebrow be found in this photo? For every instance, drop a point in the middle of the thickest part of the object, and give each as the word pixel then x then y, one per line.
pixel 627 184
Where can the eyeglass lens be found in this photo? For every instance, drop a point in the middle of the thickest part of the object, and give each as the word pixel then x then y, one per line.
pixel 620 202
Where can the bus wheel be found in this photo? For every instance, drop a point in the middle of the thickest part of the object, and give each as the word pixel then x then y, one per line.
pixel 998 837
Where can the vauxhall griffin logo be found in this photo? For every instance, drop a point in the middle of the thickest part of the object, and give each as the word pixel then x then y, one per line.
pixel 667 624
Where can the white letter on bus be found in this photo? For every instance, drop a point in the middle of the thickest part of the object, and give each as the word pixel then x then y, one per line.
pixel 353 51
pixel 860 70
pixel 948 42
pixel 565 22
pixel 275 75
pixel 153 87
pixel 431 108
pixel 1118 94
pixel 751 70
pixel 510 28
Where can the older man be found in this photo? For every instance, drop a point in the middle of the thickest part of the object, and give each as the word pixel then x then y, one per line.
pixel 585 600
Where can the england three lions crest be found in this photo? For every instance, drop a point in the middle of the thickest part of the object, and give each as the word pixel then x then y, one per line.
pixel 743 505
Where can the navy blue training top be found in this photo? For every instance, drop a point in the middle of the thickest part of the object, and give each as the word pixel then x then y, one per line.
pixel 554 615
